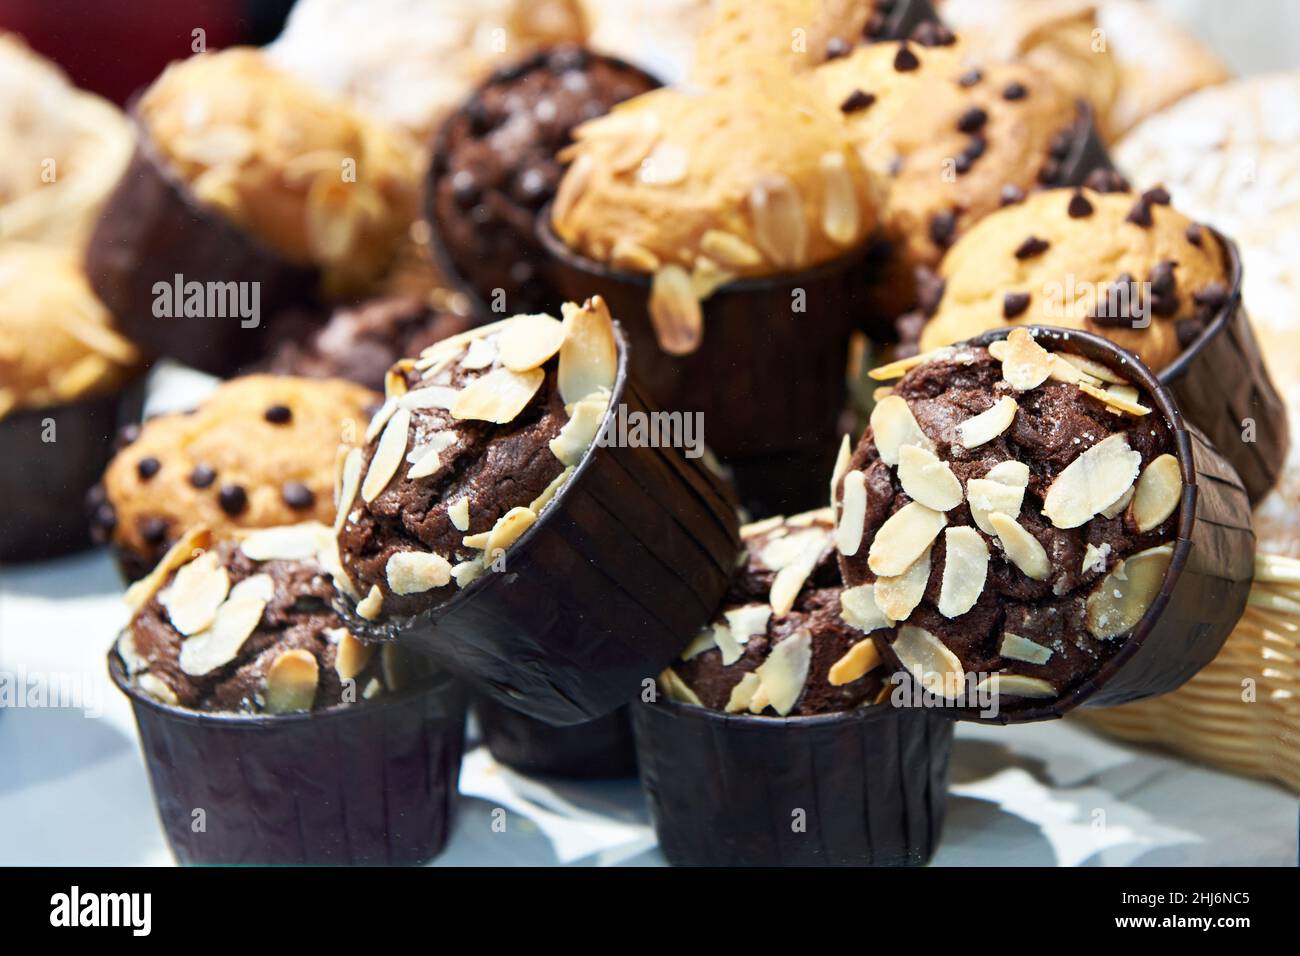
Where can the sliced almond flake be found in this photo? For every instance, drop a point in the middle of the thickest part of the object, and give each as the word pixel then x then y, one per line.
pixel 1015 685
pixel 785 671
pixel 728 646
pixel 458 513
pixel 780 229
pixel 667 165
pixel 427 459
pixel 294 542
pixel 1014 474
pixel 904 536
pixel 467 572
pixel 966 565
pixel 1094 558
pixel 219 644
pixel 577 434
pixel 530 341
pixel 729 249
pixel 841 217
pixel 589 355
pixel 892 370
pixel 388 455
pixel 898 596
pixel 758 701
pixel 257 587
pixel 195 539
pixel 155 687
pixel 1121 598
pixel 881 392
pixel 988 425
pixel 1022 548
pixel 746 621
pixel 414 572
pixel 333 565
pixel 482 353
pixel 476 541
pixel 194 595
pixel 707 277
pixel 430 396
pixel 987 496
pixel 853 514
pixel 675 311
pixel 1158 492
pixel 930 663
pixel 631 256
pixel 508 529
pixel 132 659
pixel 789 581
pixel 394 665
pixel 380 420
pixel 453 345
pixel 8 402
pixel 373 689
pixel 370 605
pixel 1115 401
pixel 761 527
pixel 291 682
pixel 349 485
pixel 703 641
pixel 1063 371
pixel 1093 369
pixel 549 492
pixel 793 547
pixel 1091 482
pixel 632 143
pixel 352 656
pixel 499 396
pixel 927 479
pixel 675 688
pixel 395 382
pixel 842 460
pixel 1025 363
pixel 807 519
pixel 575 182
pixel 742 695
pixel 1119 504
pixel 859 609
pixel 1017 648
pixel 893 425
pixel 859 660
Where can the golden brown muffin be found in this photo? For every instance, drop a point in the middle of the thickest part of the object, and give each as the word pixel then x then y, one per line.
pixel 314 181
pixel 259 452
pixel 57 341
pixel 1126 266
pixel 951 141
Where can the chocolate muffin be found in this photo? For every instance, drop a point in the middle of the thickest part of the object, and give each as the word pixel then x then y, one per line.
pixel 259 452
pixel 1010 515
pixel 779 644
pixel 495 167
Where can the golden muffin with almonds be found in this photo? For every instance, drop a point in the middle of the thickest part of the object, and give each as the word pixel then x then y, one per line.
pixel 1127 266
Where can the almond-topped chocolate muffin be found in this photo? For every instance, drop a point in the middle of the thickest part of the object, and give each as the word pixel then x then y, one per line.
pixel 474 440
pixel 495 167
pixel 1009 514
pixel 780 644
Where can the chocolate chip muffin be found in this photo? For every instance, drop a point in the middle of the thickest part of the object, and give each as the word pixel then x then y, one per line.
pixel 780 644
pixel 495 166
pixel 246 626
pixel 1008 514
pixel 259 452
pixel 474 440
pixel 1123 264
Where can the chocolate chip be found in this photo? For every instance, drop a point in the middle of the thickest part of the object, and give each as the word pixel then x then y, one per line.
pixel 837 47
pixel 1193 233
pixel 1033 246
pixel 1188 331
pixel 973 120
pixel 126 435
pixel 278 414
pixel 465 188
pixel 1120 303
pixel 1157 196
pixel 103 519
pixel 1061 143
pixel 1214 296
pixel 233 499
pixel 1079 207
pixel 1014 304
pixel 942 227
pixel 930 33
pixel 929 289
pixel 153 530
pixel 1014 90
pixel 1011 194
pixel 974 150
pixel 202 476
pixel 532 186
pixel 1140 214
pixel 970 78
pixel 1162 277
pixel 874 26
pixel 905 60
pixel 297 495
pixel 1106 181
pixel 1050 173
pixel 857 100
pixel 146 468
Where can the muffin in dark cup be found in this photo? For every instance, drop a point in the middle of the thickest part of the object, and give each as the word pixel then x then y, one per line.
pixel 297 742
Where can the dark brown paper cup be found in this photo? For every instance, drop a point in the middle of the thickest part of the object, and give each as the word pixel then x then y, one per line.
pixel 372 783
pixel 619 572
pixel 1209 577
pixel 867 787
pixel 900 18
pixel 151 231
pixel 1087 152
pixel 600 749
pixel 1221 383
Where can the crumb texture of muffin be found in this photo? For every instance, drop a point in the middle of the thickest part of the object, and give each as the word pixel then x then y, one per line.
pixel 260 451
pixel 1008 514
pixel 246 626
pixel 309 178
pixel 1127 266
pixel 780 645
pixel 474 439
pixel 58 343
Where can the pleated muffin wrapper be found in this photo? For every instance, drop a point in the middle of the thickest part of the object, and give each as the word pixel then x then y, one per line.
pixel 898 18
pixel 770 382
pixel 866 787
pixel 1205 587
pixel 153 230
pixel 371 783
pixel 52 457
pixel 622 567
pixel 600 749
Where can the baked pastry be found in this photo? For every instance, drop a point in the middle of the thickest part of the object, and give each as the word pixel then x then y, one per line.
pixel 495 167
pixel 259 452
pixel 1011 513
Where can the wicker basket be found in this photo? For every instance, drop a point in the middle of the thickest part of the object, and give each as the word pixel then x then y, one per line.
pixel 1207 719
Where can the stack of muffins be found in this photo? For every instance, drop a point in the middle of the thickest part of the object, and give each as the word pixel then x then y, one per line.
pixel 596 476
